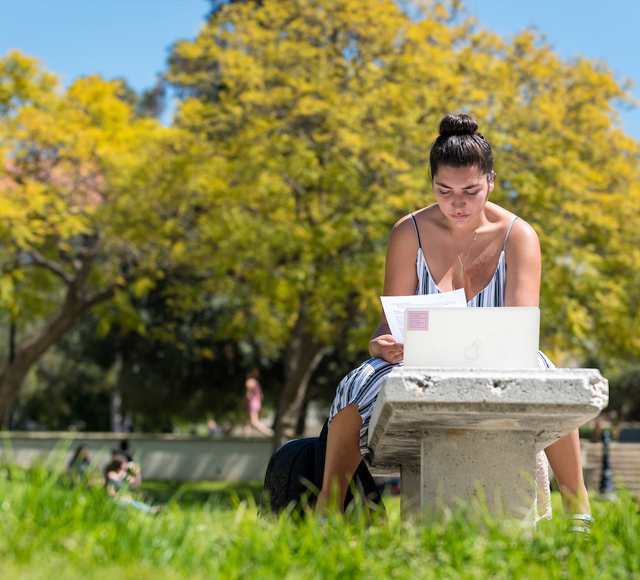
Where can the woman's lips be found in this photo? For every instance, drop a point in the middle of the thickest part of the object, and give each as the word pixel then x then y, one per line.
pixel 460 216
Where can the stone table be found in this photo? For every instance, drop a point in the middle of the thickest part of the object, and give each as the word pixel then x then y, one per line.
pixel 449 430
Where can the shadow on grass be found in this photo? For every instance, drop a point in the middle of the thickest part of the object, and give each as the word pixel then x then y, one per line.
pixel 222 494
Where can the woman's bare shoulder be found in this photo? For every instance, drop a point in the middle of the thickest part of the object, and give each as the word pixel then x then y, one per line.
pixel 430 213
pixel 498 215
pixel 404 230
pixel 426 218
pixel 521 235
pixel 523 230
pixel 403 223
pixel 503 219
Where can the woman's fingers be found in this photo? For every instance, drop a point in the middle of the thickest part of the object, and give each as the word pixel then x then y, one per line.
pixel 394 354
pixel 386 348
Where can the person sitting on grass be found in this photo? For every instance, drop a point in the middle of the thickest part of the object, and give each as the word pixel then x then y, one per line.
pixel 80 469
pixel 132 467
pixel 118 475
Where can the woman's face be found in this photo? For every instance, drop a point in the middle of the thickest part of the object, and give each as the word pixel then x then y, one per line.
pixel 462 193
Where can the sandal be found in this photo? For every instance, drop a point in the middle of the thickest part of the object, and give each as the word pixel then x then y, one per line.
pixel 580 518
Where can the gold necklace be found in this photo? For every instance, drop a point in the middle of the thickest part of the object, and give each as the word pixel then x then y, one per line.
pixel 462 262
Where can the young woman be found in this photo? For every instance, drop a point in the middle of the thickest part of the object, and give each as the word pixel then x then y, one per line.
pixel 253 403
pixel 119 473
pixel 462 241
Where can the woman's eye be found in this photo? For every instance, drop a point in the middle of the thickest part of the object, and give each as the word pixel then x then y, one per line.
pixel 442 192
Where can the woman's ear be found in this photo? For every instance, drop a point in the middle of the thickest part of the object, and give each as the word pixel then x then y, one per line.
pixel 491 178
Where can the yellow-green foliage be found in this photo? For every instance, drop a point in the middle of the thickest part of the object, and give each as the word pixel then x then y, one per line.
pixel 318 117
pixel 81 172
pixel 302 137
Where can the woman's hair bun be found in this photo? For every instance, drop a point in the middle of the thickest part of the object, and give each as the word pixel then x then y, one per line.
pixel 460 145
pixel 458 124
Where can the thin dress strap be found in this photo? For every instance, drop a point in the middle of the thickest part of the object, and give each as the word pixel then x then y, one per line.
pixel 415 225
pixel 508 231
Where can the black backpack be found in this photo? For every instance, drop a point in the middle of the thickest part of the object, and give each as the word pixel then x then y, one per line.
pixel 294 478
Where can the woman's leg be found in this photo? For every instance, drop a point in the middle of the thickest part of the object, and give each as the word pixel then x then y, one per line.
pixel 246 428
pixel 564 458
pixel 342 458
pixel 259 425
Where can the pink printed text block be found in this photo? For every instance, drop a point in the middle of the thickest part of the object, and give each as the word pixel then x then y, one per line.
pixel 418 321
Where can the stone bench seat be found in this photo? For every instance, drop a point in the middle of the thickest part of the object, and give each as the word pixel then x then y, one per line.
pixel 447 430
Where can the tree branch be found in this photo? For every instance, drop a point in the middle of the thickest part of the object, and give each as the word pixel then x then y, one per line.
pixel 107 293
pixel 39 259
pixel 101 296
pixel 74 263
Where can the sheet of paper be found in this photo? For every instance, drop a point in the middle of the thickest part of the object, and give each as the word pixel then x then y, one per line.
pixel 394 307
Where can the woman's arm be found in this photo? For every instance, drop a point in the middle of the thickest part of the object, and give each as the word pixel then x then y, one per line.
pixel 400 279
pixel 523 266
pixel 250 389
pixel 110 486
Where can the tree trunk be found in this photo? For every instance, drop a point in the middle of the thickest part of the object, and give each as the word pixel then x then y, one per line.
pixel 32 348
pixel 26 355
pixel 302 357
pixel 302 415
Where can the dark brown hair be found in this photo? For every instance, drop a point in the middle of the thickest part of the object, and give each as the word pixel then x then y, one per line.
pixel 460 145
pixel 117 463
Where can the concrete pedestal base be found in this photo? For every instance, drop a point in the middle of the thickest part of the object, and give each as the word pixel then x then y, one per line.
pixel 450 432
pixel 410 488
pixel 456 462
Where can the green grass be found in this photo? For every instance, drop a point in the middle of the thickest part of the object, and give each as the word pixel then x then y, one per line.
pixel 215 493
pixel 49 530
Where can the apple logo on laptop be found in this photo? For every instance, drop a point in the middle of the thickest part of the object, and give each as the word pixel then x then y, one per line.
pixel 471 352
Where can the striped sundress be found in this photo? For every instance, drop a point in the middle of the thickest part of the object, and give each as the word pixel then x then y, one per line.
pixel 362 385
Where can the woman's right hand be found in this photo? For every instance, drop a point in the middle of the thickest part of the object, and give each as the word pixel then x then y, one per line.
pixel 386 348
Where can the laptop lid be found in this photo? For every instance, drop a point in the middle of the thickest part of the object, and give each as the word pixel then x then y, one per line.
pixel 502 338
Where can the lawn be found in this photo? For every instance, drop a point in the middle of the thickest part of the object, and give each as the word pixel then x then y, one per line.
pixel 197 493
pixel 210 530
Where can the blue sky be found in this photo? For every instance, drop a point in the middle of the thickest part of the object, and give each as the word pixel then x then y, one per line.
pixel 131 38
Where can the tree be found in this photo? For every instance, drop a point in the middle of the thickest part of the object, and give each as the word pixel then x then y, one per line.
pixel 318 118
pixel 302 199
pixel 67 390
pixel 179 370
pixel 96 206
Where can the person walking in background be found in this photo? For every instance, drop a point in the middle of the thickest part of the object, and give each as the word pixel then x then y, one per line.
pixel 253 403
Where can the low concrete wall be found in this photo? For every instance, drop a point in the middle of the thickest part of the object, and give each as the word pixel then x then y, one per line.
pixel 163 457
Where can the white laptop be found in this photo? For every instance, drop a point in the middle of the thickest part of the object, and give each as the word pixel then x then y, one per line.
pixel 500 338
